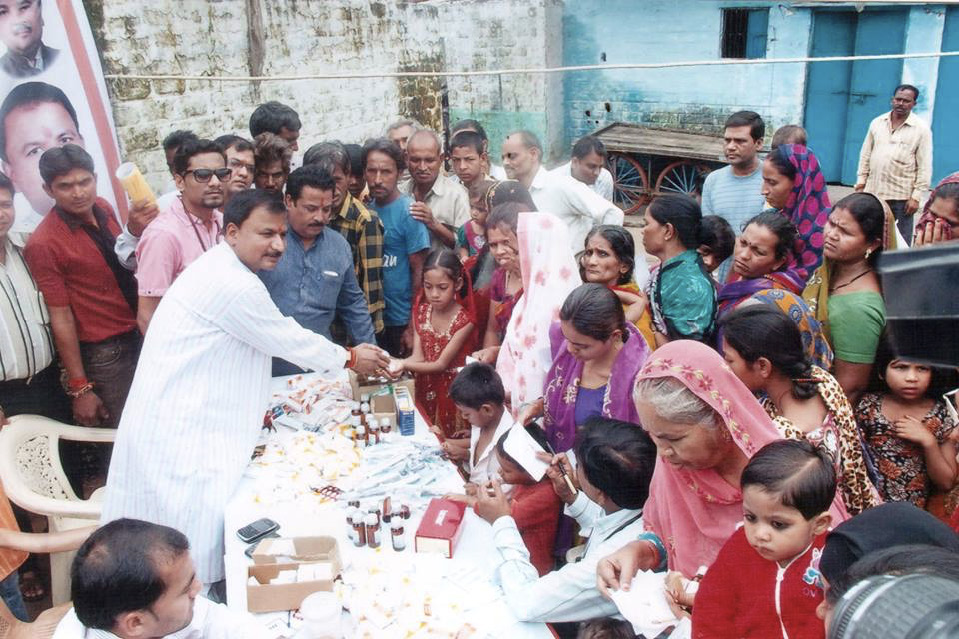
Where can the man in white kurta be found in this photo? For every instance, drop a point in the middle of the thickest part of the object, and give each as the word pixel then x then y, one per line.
pixel 570 200
pixel 196 406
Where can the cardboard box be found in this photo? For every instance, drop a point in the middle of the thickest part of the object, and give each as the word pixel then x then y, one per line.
pixel 441 527
pixel 267 597
pixel 364 386
pixel 384 406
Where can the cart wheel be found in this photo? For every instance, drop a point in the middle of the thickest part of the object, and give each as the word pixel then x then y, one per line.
pixel 683 176
pixel 630 182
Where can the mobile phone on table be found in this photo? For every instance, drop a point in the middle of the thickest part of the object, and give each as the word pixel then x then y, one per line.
pixel 257 530
pixel 249 549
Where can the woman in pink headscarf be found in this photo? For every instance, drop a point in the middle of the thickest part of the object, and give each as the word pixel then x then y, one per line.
pixel 706 425
pixel 549 275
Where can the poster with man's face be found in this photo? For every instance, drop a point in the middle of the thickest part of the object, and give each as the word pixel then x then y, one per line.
pixel 51 93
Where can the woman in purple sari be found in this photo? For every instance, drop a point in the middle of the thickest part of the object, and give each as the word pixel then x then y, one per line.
pixel 596 356
pixel 760 274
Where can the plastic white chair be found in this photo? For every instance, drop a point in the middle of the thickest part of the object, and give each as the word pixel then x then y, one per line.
pixel 33 478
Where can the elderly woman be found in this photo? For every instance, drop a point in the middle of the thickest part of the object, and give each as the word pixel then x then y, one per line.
pixel 596 356
pixel 706 425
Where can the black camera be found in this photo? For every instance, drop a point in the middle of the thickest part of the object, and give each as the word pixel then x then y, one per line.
pixel 916 606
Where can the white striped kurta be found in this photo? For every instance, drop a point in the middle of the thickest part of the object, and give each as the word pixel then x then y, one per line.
pixel 26 343
pixel 198 397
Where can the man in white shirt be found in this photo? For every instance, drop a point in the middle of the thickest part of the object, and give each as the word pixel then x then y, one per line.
pixel 135 580
pixel 615 465
pixel 195 409
pixel 438 202
pixel 568 199
pixel 588 165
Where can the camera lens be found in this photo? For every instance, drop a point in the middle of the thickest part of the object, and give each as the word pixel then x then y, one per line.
pixel 898 607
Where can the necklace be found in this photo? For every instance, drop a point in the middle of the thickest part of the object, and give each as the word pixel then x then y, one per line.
pixel 836 288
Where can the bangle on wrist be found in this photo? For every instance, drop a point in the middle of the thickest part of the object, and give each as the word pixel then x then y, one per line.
pixel 77 383
pixel 351 360
pixel 76 393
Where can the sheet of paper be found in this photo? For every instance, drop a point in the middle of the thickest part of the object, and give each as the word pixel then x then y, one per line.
pixel 644 604
pixel 521 446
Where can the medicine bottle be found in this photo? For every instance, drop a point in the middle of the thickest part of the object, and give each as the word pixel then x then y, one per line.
pixel 372 530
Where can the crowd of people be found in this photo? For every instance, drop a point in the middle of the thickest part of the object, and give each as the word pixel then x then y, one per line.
pixel 715 398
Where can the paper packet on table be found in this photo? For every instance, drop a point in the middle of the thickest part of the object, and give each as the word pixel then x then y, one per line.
pixel 644 605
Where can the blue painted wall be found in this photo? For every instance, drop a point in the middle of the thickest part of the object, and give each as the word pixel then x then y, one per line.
pixel 695 98
pixel 700 98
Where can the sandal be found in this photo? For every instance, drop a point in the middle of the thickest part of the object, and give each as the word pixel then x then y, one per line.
pixel 31 586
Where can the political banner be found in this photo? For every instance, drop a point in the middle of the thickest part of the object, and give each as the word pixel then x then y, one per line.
pixel 52 93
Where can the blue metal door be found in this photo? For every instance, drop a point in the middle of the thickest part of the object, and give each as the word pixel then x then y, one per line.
pixel 945 126
pixel 827 88
pixel 872 81
pixel 843 97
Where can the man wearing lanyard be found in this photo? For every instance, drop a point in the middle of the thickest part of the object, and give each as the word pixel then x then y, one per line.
pixel 187 228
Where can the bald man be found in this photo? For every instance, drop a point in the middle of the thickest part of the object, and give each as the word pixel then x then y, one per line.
pixel 440 203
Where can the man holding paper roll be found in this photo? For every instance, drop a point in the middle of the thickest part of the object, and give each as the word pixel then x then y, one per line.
pixel 187 228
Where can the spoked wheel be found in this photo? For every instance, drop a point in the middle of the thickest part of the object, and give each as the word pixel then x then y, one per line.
pixel 683 176
pixel 630 182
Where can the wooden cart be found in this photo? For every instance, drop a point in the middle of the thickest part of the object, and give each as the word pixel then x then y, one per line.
pixel 678 160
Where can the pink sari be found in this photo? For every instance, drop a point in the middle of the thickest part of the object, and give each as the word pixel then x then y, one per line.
pixel 695 511
pixel 549 275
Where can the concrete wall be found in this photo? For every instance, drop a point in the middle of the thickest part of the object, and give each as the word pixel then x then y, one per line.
pixel 207 37
pixel 694 98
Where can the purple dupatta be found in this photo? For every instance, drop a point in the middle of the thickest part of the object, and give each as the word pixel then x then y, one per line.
pixel 562 386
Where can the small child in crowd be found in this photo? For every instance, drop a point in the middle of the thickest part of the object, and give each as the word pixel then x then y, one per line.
pixel 788 134
pixel 718 241
pixel 478 394
pixel 471 237
pixel 534 505
pixel 444 328
pixel 906 427
pixel 765 581
pixel 606 628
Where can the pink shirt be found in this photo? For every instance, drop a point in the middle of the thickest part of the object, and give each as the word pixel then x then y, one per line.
pixel 169 244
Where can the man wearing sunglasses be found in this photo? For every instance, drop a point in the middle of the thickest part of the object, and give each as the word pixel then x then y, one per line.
pixel 188 227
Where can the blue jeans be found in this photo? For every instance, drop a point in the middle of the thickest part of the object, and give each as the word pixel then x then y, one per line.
pixel 10 593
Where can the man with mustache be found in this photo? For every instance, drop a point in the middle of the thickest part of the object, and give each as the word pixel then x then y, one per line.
pixel 405 242
pixel 187 228
pixel 272 155
pixel 314 279
pixel 196 406
pixel 733 192
pixel 21 31
pixel 895 162
pixel 440 203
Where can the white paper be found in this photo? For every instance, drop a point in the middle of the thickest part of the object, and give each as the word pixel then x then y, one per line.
pixel 644 605
pixel 521 446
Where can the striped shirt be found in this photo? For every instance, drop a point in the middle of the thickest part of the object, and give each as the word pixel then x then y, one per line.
pixel 196 405
pixel 26 343
pixel 896 164
pixel 735 198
